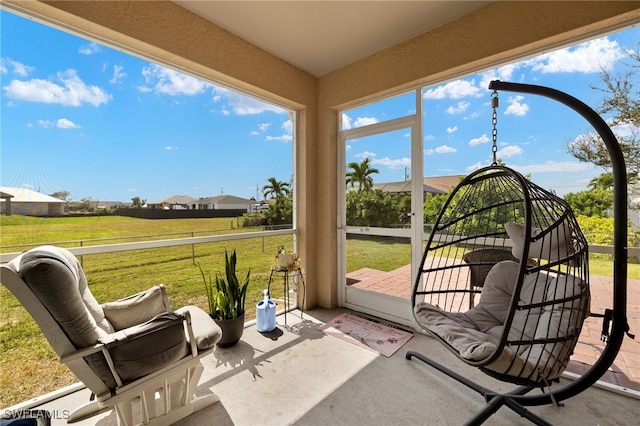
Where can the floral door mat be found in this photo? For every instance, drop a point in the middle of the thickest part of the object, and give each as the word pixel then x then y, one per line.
pixel 381 338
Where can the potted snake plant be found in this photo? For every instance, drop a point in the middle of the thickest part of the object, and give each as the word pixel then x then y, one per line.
pixel 226 297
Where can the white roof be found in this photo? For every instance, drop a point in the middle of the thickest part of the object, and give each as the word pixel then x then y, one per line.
pixel 175 199
pixel 24 195
pixel 226 199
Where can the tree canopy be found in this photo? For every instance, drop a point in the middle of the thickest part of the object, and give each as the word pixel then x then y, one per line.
pixel 61 195
pixel 137 202
pixel 275 188
pixel 622 105
pixel 360 174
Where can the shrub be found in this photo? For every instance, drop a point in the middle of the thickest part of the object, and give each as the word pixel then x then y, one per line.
pixel 250 220
pixel 281 212
pixel 377 208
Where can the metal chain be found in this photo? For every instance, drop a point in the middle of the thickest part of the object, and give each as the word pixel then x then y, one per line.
pixel 494 121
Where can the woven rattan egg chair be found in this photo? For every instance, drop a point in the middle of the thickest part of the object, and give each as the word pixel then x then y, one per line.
pixel 504 279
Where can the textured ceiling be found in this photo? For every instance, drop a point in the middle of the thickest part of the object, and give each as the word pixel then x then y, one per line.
pixel 322 36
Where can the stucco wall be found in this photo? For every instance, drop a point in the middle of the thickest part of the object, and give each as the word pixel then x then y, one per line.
pixel 36 209
pixel 172 35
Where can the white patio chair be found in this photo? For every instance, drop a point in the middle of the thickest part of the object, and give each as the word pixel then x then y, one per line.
pixel 135 354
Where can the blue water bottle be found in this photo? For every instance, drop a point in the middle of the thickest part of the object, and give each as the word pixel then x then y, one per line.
pixel 266 314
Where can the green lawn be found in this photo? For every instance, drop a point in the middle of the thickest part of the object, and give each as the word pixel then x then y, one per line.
pixel 28 366
pixel 25 357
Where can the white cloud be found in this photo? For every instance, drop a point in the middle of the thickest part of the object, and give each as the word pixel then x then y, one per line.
pixel 480 140
pixel 364 121
pixel 16 67
pixel 443 149
pixel 474 167
pixel 365 154
pixel 582 138
pixel 262 127
pixel 350 123
pixel 346 121
pixel 516 106
pixel 625 130
pixel 555 167
pixel 509 151
pixel 504 73
pixel 621 131
pixel 287 126
pixel 72 92
pixel 452 129
pixel 454 89
pixel 89 49
pixel 281 138
pixel 64 123
pixel 392 163
pixel 459 108
pixel 118 74
pixel 171 148
pixel 239 104
pixel 173 83
pixel 430 138
pixel 590 57
pixel 61 123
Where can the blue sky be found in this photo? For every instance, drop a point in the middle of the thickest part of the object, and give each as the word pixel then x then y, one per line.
pixel 533 132
pixel 81 117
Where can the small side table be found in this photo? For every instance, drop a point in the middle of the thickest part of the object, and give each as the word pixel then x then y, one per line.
pixel 286 273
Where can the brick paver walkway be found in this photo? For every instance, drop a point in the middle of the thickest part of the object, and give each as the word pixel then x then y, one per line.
pixel 625 370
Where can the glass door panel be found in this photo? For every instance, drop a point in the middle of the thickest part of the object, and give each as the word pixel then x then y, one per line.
pixel 379 219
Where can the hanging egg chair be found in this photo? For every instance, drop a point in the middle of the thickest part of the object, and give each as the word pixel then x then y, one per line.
pixel 504 278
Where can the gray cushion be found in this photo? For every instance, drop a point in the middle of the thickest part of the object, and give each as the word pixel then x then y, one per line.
pixel 206 332
pixel 57 280
pixel 553 246
pixel 141 352
pixel 475 334
pixel 61 287
pixel 136 309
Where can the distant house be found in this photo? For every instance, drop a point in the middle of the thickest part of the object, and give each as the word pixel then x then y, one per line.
pixel 443 183
pixel 261 206
pixel 27 202
pixel 224 202
pixel 175 202
pixel 402 188
pixel 431 185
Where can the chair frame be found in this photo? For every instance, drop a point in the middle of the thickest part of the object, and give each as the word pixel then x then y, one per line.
pixel 162 397
pixel 518 399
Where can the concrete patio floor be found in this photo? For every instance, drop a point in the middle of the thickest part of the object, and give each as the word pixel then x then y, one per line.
pixel 299 376
pixel 624 372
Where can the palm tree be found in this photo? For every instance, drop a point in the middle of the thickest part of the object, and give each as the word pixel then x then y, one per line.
pixel 275 188
pixel 360 173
